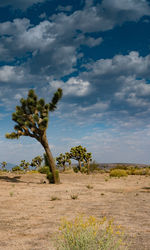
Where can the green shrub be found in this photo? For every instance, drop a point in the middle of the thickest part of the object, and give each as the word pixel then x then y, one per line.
pixel 84 170
pixel 16 168
pixel 50 177
pixel 76 169
pixel 43 170
pixel 142 171
pixel 74 196
pixel 118 173
pixel 89 234
pixel 55 198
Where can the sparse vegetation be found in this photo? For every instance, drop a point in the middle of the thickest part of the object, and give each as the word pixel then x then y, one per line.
pixel 11 194
pixel 118 173
pixel 89 186
pixel 89 234
pixel 74 196
pixel 16 169
pixel 55 198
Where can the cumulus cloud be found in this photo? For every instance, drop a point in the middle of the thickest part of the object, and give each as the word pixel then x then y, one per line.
pixel 51 50
pixel 125 10
pixel 11 74
pixel 52 45
pixel 73 87
pixel 118 91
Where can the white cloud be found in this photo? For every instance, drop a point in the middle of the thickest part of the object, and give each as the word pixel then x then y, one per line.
pixel 132 64
pixel 11 74
pixel 73 87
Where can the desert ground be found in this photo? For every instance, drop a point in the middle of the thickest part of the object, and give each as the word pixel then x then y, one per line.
pixel 29 217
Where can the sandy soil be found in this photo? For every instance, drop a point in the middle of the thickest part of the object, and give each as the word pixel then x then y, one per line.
pixel 28 217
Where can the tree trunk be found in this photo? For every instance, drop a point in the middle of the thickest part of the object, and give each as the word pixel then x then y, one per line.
pixel 64 167
pixel 52 166
pixel 88 167
pixel 79 165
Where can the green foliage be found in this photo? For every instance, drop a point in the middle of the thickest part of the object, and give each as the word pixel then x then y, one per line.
pixel 16 168
pixel 62 159
pixel 31 119
pixel 43 170
pixel 77 153
pixel 24 165
pixel 89 234
pixel 118 173
pixel 57 96
pixel 76 169
pixel 84 170
pixel 50 176
pixel 80 154
pixel 3 165
pixel 131 170
pixel 36 162
pixel 142 171
pixel 124 167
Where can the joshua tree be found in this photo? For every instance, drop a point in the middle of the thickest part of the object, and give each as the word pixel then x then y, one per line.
pixel 62 159
pixel 3 164
pixel 24 165
pixel 78 154
pixel 32 120
pixel 36 162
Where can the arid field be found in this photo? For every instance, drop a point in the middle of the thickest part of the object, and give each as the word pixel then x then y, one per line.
pixel 29 214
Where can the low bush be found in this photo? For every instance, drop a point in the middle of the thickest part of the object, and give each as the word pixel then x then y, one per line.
pixel 16 168
pixel 76 169
pixel 84 170
pixel 118 173
pixel 43 170
pixel 74 196
pixel 142 171
pixel 50 177
pixel 89 234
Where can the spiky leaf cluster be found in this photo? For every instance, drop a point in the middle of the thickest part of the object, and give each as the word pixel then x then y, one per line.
pixel 32 116
pixel 78 153
pixel 24 165
pixel 3 164
pixel 36 162
pixel 62 159
pixel 87 157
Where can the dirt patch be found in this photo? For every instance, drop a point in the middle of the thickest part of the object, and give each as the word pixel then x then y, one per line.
pixel 29 217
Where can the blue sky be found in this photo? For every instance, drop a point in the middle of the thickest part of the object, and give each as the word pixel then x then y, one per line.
pixel 98 52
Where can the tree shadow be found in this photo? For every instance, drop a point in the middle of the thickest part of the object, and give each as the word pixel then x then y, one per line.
pixel 9 179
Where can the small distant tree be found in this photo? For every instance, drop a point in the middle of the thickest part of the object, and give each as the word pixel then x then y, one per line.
pixel 36 162
pixel 24 165
pixel 78 153
pixel 3 165
pixel 62 159
pixel 32 120
pixel 87 159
